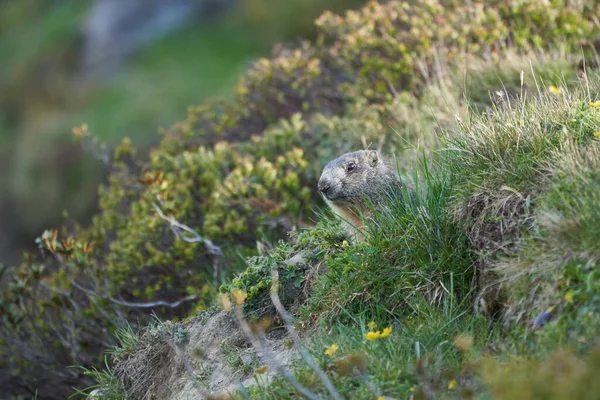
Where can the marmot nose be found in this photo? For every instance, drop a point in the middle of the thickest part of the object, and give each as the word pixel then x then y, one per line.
pixel 323 186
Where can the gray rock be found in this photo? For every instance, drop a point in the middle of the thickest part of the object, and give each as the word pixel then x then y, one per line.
pixel 114 29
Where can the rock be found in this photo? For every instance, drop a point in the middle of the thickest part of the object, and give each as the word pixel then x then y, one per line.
pixel 114 29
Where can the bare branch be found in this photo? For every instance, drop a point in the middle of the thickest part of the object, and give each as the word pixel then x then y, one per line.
pixel 289 325
pixel 391 88
pixel 158 303
pixel 268 357
pixel 188 367
pixel 177 227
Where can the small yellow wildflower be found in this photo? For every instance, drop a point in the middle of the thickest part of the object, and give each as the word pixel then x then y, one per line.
pixel 412 389
pixel 372 335
pixel 386 332
pixel 332 349
pixel 378 334
pixel 372 325
pixel 381 398
pixel 261 370
pixel 345 244
pixel 238 296
pixel 569 297
pixel 554 90
pixel 597 135
pixel 452 384
pixel 595 103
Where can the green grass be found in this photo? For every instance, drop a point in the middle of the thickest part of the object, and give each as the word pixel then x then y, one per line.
pixel 414 273
pixel 514 148
pixel 365 369
pixel 412 252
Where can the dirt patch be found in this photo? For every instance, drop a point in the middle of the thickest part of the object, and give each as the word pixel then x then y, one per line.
pixel 494 225
pixel 210 357
pixel 203 358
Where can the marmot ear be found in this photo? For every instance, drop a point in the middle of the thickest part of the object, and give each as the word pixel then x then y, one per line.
pixel 373 157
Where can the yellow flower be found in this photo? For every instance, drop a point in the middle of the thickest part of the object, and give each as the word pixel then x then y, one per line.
pixel 239 297
pixel 412 389
pixel 345 243
pixel 386 332
pixel 569 297
pixel 554 90
pixel 331 350
pixel 452 384
pixel 595 103
pixel 597 135
pixel 381 398
pixel 372 325
pixel 261 370
pixel 378 334
pixel 372 335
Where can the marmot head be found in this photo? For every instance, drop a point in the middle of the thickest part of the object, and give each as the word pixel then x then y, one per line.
pixel 353 176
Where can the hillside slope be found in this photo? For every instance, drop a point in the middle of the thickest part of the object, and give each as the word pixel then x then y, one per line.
pixel 492 270
pixel 507 218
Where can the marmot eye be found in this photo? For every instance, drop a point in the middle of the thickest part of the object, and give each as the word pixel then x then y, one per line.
pixel 350 167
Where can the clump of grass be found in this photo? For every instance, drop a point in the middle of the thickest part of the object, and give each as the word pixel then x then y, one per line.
pixel 414 252
pixel 554 269
pixel 504 163
pixel 515 75
pixel 145 362
pixel 107 384
pixel 573 203
pixel 512 145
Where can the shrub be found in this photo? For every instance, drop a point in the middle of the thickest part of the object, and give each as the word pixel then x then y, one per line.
pixel 241 170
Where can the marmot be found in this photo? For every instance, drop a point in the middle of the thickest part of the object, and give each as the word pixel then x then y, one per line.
pixel 355 182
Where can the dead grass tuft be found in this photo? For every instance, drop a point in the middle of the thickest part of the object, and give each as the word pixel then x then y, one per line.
pixel 148 372
pixel 494 229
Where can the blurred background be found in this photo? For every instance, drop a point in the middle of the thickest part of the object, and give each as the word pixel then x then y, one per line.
pixel 124 68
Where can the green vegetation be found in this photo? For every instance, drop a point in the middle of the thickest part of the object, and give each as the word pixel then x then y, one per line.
pixel 535 230
pixel 505 221
pixel 44 93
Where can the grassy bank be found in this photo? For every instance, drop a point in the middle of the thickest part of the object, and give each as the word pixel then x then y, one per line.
pixel 491 271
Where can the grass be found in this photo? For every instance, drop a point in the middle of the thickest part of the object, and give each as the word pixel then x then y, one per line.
pixel 414 273
pixel 509 188
pixel 513 147
pixel 385 367
pixel 386 275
